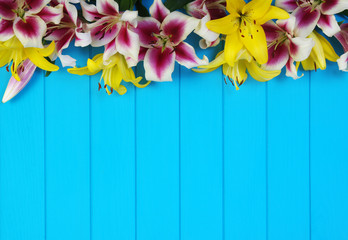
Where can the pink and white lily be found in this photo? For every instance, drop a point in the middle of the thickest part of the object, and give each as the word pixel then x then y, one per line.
pixel 69 28
pixel 162 40
pixel 113 29
pixel 342 37
pixel 27 20
pixel 312 13
pixel 26 71
pixel 207 10
pixel 284 47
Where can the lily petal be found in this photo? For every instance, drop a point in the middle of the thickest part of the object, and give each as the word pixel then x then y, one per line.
pixel 272 31
pixel 329 51
pixel 82 39
pixel 234 6
pixel 159 65
pixel 6 30
pixel 102 35
pixel 110 49
pixel 158 10
pixel 288 25
pixel 30 31
pixel 343 62
pixel 328 24
pixel 306 20
pixel 14 86
pixel 256 9
pixel 226 25
pixel 67 61
pixel 90 12
pixel 146 28
pixel 178 26
pixel 233 45
pixel 204 32
pixel 260 74
pixel 107 7
pixel 291 70
pixel 127 43
pixel 288 5
pixel 186 56
pixel 300 48
pixel 330 7
pixel 253 38
pixel 36 5
pixel 273 13
pixel 39 60
pixel 6 9
pixel 278 57
pixel 52 14
pixel 342 36
pixel 131 17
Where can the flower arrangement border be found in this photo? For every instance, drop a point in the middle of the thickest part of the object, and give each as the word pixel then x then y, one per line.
pixel 260 39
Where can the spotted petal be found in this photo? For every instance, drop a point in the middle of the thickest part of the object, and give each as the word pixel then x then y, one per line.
pixel 306 20
pixel 102 35
pixel 127 43
pixel 178 26
pixel 159 65
pixel 158 10
pixel 328 24
pixel 330 7
pixel 27 69
pixel 6 30
pixel 272 31
pixel 30 31
pixel 146 28
pixel 36 5
pixel 186 56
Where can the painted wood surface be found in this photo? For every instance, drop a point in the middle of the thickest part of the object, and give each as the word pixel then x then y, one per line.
pixel 193 159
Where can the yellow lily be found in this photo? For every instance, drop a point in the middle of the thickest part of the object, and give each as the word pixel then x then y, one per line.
pixel 321 51
pixel 236 73
pixel 242 27
pixel 113 73
pixel 13 51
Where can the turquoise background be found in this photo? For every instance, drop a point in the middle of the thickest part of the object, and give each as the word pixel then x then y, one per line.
pixel 189 160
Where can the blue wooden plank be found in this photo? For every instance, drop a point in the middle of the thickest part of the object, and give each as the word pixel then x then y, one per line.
pixel 201 155
pixel 22 212
pixel 157 160
pixel 288 158
pixel 113 161
pixel 245 160
pixel 68 153
pixel 329 154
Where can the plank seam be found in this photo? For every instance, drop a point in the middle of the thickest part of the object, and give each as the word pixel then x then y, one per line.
pixel 309 157
pixel 266 155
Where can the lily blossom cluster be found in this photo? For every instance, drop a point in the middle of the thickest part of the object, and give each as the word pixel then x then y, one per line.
pixel 259 39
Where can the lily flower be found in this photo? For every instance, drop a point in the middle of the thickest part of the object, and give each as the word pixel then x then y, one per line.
pixel 113 29
pixel 69 28
pixel 312 13
pixel 284 47
pixel 26 71
pixel 242 28
pixel 342 37
pixel 321 51
pixel 13 51
pixel 113 73
pixel 236 73
pixel 27 19
pixel 23 63
pixel 207 10
pixel 162 40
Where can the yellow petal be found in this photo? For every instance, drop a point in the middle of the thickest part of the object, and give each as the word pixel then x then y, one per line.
pixel 93 66
pixel 317 54
pixel 329 51
pixel 36 58
pixel 260 74
pixel 256 8
pixel 253 38
pixel 226 25
pixel 48 50
pixel 309 65
pixel 273 13
pixel 137 84
pixel 233 45
pixel 217 62
pixel 80 71
pixel 5 57
pixel 233 6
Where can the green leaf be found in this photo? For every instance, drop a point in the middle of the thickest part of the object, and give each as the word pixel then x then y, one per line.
pixel 142 10
pixel 173 5
pixel 125 4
